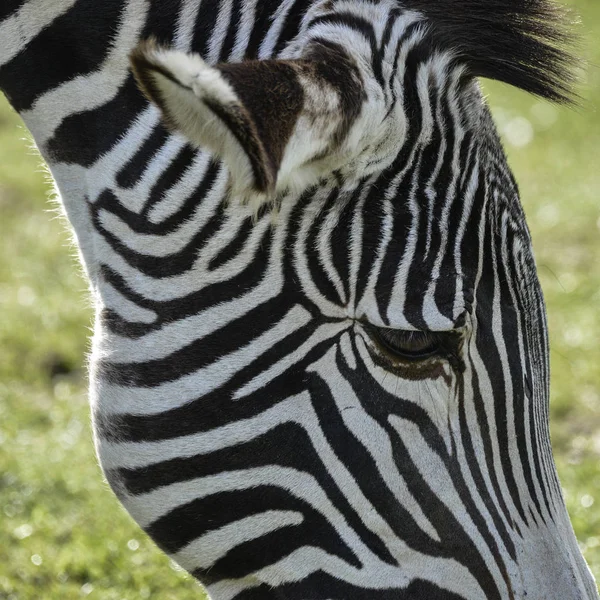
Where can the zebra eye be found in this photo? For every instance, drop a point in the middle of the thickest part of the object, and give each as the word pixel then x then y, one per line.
pixel 404 344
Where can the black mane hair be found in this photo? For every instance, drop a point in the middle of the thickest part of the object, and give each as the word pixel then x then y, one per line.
pixel 525 43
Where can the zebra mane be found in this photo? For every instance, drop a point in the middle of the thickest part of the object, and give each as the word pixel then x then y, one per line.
pixel 525 43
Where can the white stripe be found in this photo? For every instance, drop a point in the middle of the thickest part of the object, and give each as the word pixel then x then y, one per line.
pixel 267 46
pixel 186 25
pixel 244 30
pixel 325 236
pixel 125 308
pixel 301 253
pixel 135 198
pixel 117 399
pixel 178 334
pixel 436 474
pixel 372 437
pixel 219 32
pixel 471 190
pixel 87 92
pixel 439 67
pixel 447 574
pixel 206 550
pixel 367 304
pixel 323 333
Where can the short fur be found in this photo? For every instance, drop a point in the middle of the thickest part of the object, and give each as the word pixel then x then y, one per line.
pixel 350 401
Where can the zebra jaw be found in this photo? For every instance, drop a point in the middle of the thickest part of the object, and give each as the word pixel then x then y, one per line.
pixel 278 125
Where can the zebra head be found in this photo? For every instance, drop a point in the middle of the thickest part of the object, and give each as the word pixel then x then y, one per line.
pixel 367 416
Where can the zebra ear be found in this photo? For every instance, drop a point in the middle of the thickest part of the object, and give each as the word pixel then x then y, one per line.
pixel 244 113
pixel 277 124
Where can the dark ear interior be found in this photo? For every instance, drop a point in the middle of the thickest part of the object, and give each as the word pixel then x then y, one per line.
pixel 272 98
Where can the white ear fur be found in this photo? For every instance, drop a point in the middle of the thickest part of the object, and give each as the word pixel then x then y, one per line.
pixel 277 124
pixel 194 98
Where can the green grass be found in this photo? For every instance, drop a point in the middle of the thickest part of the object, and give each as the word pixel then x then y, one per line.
pixel 63 535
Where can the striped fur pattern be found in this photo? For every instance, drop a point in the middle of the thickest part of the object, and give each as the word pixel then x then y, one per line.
pixel 320 365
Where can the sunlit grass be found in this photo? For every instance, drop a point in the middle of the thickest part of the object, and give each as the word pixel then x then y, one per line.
pixel 62 533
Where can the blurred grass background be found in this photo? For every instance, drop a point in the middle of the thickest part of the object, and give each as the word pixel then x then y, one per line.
pixel 62 533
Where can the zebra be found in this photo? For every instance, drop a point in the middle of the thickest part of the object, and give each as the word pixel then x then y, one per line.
pixel 320 353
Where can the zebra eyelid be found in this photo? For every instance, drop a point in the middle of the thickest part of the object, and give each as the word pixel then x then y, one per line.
pixel 430 348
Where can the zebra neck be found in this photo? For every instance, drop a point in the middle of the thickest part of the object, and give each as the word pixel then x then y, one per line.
pixel 58 71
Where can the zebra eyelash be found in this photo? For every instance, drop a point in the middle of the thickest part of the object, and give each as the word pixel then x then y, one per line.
pixel 405 344
pixel 402 349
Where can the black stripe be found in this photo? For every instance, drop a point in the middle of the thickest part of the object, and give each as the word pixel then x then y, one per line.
pixel 49 61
